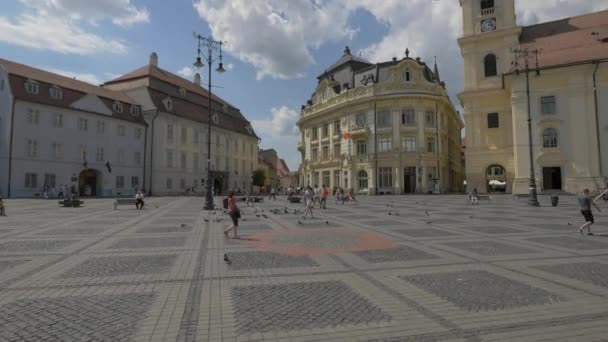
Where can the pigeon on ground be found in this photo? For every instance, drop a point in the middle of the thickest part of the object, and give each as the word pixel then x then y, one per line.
pixel 569 223
pixel 214 213
pixel 257 215
pixel 390 213
pixel 427 213
pixel 226 259
pixel 182 225
pixel 428 222
pixel 299 222
pixel 396 214
pixel 327 222
pixel 206 220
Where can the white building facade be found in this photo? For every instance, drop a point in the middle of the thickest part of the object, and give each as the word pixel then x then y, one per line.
pixel 58 133
pixel 177 114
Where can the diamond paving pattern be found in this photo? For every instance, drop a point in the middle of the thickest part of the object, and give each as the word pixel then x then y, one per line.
pixel 481 290
pixel 150 242
pixel 34 245
pixel 297 306
pixel 73 231
pixel 589 272
pixel 489 248
pixel 8 264
pixel 402 253
pixel 95 318
pixel 578 243
pixel 122 265
pixel 161 230
pixel 423 232
pixel 261 260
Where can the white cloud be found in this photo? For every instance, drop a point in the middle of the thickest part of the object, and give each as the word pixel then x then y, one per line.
pixel 56 25
pixel 279 131
pixel 85 77
pixel 277 37
pixel 186 72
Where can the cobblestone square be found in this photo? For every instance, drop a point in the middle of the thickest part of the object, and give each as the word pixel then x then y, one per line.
pixel 441 270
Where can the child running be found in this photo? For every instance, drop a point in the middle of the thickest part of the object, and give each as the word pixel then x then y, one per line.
pixel 585 203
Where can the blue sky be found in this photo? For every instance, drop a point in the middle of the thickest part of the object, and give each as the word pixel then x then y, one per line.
pixel 275 48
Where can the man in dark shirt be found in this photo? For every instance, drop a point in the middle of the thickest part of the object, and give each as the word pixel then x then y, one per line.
pixel 585 202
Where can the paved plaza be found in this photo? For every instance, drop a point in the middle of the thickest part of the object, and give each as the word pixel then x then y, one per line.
pixel 417 268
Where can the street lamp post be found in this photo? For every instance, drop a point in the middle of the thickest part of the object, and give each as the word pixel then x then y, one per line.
pixel 211 45
pixel 525 53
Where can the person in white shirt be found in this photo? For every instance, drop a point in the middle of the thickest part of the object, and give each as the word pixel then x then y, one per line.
pixel 139 200
pixel 308 202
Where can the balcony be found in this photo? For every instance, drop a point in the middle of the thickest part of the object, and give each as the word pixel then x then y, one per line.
pixel 358 131
pixel 487 11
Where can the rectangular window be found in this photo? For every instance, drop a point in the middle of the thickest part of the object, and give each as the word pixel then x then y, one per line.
pixel 120 182
pixel 99 156
pixel 315 133
pixel 121 130
pixel 336 178
pixel 169 132
pixel 138 132
pixel 325 151
pixel 56 93
pixel 32 148
pixel 408 143
pixel 31 180
pixel 121 157
pixel 430 145
pixel 196 137
pixel 337 150
pixel 184 135
pixel 548 105
pixel 182 160
pixel 385 144
pixel 385 177
pixel 83 124
pixel 169 183
pixel 361 147
pixel 82 152
pixel 50 180
pixel 227 164
pixel 325 131
pixel 326 177
pixel 32 88
pixel 195 161
pixel 33 116
pixel 408 117
pixel 429 119
pixel 57 120
pixel 137 158
pixel 337 127
pixel 360 121
pixel 315 154
pixel 385 119
pixel 134 182
pixel 56 150
pixel 493 120
pixel 169 158
pixel 101 127
pixel 182 183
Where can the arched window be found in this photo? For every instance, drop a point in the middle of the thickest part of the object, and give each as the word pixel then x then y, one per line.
pixel 550 138
pixel 489 64
pixel 487 4
pixel 362 179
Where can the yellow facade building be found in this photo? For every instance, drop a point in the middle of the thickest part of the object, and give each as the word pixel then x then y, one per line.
pixel 568 102
pixel 381 128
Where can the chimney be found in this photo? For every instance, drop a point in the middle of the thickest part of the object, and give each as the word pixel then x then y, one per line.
pixel 154 59
pixel 197 79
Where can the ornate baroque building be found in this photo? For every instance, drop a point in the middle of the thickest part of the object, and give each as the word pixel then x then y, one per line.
pixel 568 102
pixel 381 128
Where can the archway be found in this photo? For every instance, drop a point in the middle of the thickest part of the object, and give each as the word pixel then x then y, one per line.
pixel 496 178
pixel 217 186
pixel 87 183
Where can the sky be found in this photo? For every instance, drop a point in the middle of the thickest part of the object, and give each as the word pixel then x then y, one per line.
pixel 275 48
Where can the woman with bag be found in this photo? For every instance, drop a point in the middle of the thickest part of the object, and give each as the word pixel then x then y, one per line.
pixel 235 214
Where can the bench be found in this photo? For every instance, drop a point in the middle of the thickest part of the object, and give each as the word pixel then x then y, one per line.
pixel 124 201
pixel 68 204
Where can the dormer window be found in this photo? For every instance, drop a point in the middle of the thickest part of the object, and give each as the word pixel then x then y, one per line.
pixel 249 129
pixel 215 118
pixel 182 91
pixel 168 104
pixel 117 106
pixel 32 87
pixel 408 76
pixel 326 93
pixel 135 110
pixel 56 92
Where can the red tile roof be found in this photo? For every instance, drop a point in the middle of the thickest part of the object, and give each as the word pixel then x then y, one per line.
pixel 569 40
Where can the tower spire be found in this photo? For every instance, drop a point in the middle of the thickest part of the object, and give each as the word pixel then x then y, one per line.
pixel 437 71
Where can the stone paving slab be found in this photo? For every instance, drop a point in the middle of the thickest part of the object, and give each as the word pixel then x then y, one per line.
pixel 435 269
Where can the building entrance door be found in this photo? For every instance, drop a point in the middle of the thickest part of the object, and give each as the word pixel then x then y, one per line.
pixel 87 183
pixel 552 178
pixel 409 180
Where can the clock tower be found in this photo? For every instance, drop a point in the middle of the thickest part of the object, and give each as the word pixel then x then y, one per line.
pixel 489 33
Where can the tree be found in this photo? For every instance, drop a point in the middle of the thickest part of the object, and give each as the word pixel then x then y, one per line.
pixel 258 177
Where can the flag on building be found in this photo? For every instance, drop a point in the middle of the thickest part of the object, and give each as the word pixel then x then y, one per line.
pixel 109 167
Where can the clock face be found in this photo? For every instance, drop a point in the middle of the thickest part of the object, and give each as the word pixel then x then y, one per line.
pixel 488 25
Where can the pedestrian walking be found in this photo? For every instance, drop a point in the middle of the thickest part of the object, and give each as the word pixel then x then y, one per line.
pixel 308 202
pixel 139 200
pixel 235 214
pixel 317 196
pixel 272 194
pixel 474 197
pixel 2 208
pixel 585 202
pixel 324 194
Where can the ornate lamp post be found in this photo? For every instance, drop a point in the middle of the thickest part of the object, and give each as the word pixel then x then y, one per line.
pixel 525 53
pixel 211 45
